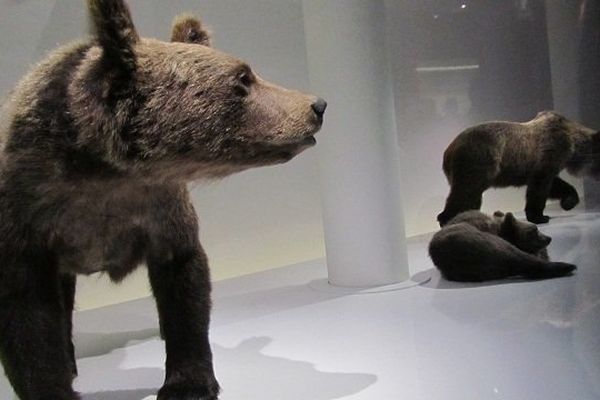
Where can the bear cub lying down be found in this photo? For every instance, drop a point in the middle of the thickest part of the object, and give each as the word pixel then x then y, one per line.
pixel 532 154
pixel 475 247
pixel 97 144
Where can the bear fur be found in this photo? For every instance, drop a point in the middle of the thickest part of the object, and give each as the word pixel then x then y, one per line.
pixel 502 154
pixel 475 247
pixel 97 144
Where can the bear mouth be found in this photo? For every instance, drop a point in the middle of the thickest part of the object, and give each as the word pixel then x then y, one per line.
pixel 309 141
pixel 305 142
pixel 299 146
pixel 285 152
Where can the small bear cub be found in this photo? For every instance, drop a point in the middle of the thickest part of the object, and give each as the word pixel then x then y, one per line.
pixel 475 247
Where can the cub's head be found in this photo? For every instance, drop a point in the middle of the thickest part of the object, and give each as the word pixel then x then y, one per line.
pixel 524 235
pixel 183 109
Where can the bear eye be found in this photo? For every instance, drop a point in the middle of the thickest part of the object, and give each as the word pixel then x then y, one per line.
pixel 193 35
pixel 246 79
pixel 244 82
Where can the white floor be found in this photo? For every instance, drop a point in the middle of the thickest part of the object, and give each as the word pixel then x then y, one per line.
pixel 279 336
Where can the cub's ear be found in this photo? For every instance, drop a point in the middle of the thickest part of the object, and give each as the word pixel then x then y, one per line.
pixel 114 30
pixel 509 218
pixel 508 227
pixel 498 214
pixel 189 29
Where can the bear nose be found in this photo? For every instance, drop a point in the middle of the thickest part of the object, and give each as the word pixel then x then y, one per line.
pixel 319 106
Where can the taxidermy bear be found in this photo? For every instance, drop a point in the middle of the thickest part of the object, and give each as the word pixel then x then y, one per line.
pixel 501 154
pixel 475 247
pixel 96 146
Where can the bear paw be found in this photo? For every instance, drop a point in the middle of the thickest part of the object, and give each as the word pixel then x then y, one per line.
pixel 181 393
pixel 538 219
pixel 443 218
pixel 189 391
pixel 568 203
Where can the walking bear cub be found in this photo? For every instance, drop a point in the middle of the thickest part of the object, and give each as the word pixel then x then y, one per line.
pixel 475 247
pixel 532 154
pixel 97 144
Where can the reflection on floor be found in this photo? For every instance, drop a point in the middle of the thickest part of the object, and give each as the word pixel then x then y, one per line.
pixel 275 337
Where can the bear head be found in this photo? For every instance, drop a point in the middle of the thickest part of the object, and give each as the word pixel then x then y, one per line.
pixel 585 160
pixel 524 235
pixel 182 110
pixel 595 156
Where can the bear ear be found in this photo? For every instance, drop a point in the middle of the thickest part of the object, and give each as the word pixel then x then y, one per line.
pixel 510 218
pixel 508 226
pixel 498 214
pixel 551 114
pixel 188 29
pixel 113 28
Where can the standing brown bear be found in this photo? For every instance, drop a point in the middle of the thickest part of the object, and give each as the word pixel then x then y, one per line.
pixel 96 146
pixel 502 154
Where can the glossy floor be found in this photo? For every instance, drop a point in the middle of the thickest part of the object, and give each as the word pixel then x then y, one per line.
pixel 280 336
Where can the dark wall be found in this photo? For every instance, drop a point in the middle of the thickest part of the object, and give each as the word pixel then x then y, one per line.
pixel 589 82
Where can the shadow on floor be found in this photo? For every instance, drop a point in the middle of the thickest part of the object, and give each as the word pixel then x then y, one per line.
pixel 244 372
pixel 92 344
pixel 248 373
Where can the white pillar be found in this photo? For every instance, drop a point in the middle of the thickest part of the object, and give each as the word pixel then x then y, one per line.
pixel 358 148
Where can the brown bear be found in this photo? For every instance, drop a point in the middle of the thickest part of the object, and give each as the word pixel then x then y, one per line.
pixel 502 154
pixel 474 247
pixel 97 144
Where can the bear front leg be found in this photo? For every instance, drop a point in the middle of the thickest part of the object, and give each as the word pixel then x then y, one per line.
pixel 181 286
pixel 68 283
pixel 538 190
pixel 564 192
pixel 33 344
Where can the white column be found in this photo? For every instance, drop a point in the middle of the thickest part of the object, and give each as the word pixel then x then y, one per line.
pixel 358 147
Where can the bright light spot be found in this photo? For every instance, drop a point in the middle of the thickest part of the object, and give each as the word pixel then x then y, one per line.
pixel 448 68
pixel 463 6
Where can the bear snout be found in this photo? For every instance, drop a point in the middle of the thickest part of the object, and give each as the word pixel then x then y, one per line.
pixel 546 240
pixel 319 107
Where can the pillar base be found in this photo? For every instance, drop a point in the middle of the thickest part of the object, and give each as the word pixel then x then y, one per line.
pixel 324 286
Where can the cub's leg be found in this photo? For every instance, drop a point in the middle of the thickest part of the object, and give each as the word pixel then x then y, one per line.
pixel 33 342
pixel 564 192
pixel 464 195
pixel 68 283
pixel 181 286
pixel 538 190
